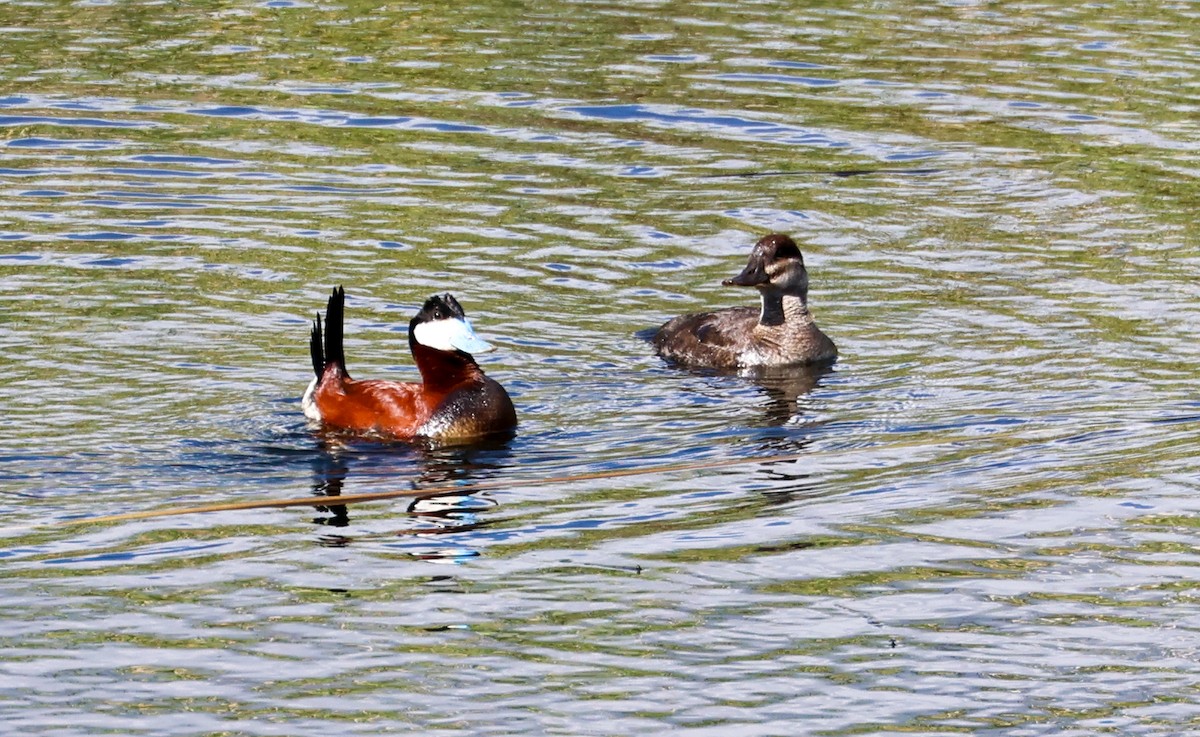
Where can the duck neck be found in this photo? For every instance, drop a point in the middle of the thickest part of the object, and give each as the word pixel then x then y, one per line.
pixel 778 308
pixel 443 369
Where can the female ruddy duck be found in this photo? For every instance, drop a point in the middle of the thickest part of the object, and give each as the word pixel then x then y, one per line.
pixel 780 333
pixel 454 400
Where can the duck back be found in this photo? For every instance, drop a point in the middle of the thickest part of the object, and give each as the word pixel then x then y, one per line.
pixel 717 339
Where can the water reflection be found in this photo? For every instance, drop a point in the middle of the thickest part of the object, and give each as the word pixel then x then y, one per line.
pixel 421 464
pixel 786 389
pixel 329 476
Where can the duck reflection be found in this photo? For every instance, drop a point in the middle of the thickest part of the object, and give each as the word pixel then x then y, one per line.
pixel 340 459
pixel 787 390
pixel 781 433
pixel 329 473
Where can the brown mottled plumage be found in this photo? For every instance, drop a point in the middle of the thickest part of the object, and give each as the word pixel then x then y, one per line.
pixel 779 333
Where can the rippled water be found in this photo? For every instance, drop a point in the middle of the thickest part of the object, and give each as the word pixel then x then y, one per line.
pixel 983 520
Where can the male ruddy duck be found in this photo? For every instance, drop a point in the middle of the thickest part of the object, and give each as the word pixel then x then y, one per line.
pixel 780 333
pixel 454 400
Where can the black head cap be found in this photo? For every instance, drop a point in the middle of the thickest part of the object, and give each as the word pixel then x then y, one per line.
pixel 440 307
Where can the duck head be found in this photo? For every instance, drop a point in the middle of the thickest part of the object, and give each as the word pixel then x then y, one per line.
pixel 775 265
pixel 442 325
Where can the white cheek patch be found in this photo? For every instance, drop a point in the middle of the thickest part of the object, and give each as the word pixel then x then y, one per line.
pixel 450 335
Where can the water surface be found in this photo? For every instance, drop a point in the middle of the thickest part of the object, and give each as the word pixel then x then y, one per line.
pixel 981 521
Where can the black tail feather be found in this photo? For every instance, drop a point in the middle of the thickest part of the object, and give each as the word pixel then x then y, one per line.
pixel 329 351
pixel 317 348
pixel 334 314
